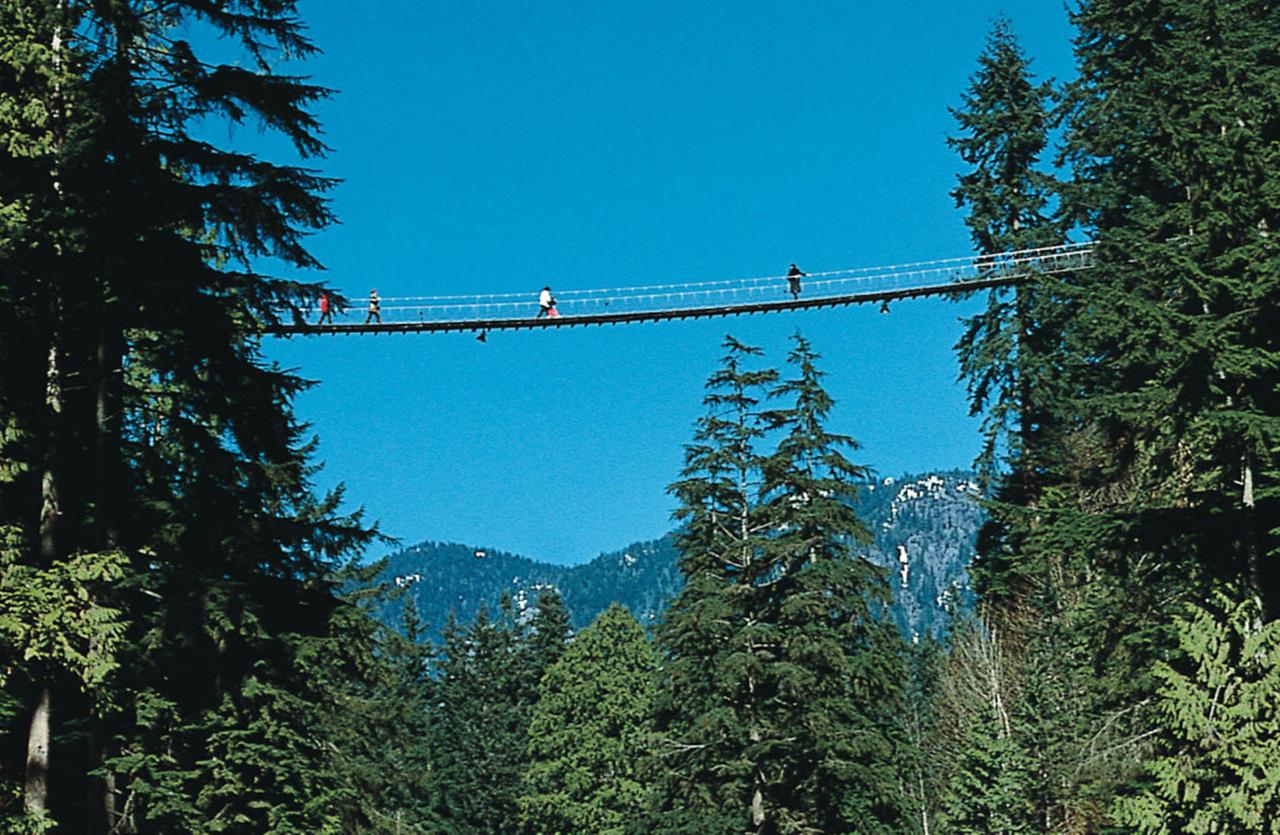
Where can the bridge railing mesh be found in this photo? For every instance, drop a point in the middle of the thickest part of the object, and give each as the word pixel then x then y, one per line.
pixel 951 274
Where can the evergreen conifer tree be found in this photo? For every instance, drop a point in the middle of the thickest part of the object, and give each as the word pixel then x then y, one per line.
pixel 545 637
pixel 987 790
pixel 132 253
pixel 834 683
pixel 1217 767
pixel 488 686
pixel 1007 674
pixel 1155 410
pixel 781 678
pixel 589 730
pixel 1011 357
pixel 375 694
pixel 924 765
pixel 479 730
pixel 1007 353
pixel 1172 138
pixel 701 720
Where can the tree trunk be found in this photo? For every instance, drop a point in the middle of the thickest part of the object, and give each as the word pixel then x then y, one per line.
pixel 107 454
pixel 1026 409
pixel 924 808
pixel 757 807
pixel 102 812
pixel 1251 534
pixel 35 789
pixel 108 489
pixel 109 492
pixel 35 793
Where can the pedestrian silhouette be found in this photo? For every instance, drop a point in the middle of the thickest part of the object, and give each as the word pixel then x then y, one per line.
pixel 793 280
pixel 326 308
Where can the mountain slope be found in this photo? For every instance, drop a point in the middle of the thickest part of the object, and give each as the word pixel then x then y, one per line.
pixel 924 530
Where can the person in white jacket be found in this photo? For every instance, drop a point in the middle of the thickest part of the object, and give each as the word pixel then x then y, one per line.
pixel 546 303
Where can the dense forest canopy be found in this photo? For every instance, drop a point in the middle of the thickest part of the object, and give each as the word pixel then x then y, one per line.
pixel 187 640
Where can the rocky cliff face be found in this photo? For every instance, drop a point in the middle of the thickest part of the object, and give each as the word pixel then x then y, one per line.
pixel 924 530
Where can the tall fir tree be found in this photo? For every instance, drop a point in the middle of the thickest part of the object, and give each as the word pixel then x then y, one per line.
pixel 1012 357
pixel 1163 461
pixel 375 698
pixel 837 662
pixel 1173 142
pixel 488 685
pixel 478 734
pixel 546 635
pixel 701 719
pixel 781 678
pixel 140 423
pixel 1155 480
pixel 1007 352
pixel 589 730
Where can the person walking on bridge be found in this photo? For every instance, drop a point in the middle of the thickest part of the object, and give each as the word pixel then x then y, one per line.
pixel 375 308
pixel 546 304
pixel 326 308
pixel 793 280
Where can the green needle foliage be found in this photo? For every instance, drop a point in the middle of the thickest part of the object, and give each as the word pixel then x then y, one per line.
pixel 780 678
pixel 1148 476
pixel 1173 146
pixel 1010 353
pixel 487 689
pixel 589 731
pixel 154 484
pixel 1003 131
pixel 838 663
pixel 1217 763
pixel 479 727
pixel 184 646
pixel 700 714
pixel 698 708
pixel 988 790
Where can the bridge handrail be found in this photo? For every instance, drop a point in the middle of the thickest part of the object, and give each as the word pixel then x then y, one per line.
pixel 843 285
pixel 1022 255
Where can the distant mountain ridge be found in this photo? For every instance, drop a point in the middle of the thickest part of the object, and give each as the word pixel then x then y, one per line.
pixel 924 527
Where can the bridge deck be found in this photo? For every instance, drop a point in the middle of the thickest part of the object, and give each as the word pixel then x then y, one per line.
pixel 697 300
pixel 530 323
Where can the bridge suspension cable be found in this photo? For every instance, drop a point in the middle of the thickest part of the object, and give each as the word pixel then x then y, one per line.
pixel 694 299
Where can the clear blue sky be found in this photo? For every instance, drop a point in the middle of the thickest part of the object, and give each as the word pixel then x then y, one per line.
pixel 500 146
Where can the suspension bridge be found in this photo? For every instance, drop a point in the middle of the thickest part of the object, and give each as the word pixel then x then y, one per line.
pixel 693 299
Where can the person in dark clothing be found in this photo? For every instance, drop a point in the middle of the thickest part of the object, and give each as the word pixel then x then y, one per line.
pixel 326 308
pixel 375 308
pixel 793 280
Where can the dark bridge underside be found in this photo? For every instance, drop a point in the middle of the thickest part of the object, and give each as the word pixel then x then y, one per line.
pixel 530 322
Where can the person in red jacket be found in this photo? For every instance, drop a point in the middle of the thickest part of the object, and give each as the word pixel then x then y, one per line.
pixel 326 309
